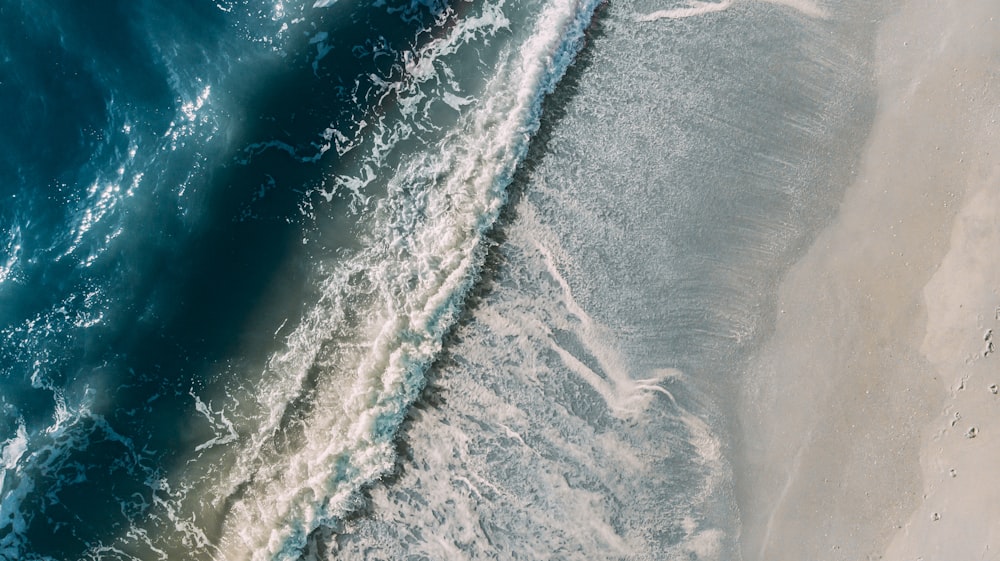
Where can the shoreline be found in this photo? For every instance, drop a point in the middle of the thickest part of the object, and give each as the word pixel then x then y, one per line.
pixel 843 404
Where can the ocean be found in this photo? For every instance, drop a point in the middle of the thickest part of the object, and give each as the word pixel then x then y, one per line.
pixel 426 279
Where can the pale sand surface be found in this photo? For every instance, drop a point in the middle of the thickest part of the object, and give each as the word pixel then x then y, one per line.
pixel 959 517
pixel 847 436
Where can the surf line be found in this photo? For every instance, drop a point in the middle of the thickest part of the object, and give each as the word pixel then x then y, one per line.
pixel 320 483
pixel 699 8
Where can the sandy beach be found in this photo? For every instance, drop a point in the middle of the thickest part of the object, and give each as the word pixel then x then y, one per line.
pixel 871 423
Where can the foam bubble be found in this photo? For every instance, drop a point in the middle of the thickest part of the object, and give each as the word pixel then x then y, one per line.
pixel 806 7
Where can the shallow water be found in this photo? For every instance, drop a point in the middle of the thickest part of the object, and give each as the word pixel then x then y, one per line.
pixel 583 408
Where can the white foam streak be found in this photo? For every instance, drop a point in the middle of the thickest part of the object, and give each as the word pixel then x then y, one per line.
pixel 224 430
pixel 694 8
pixel 624 395
pixel 699 8
pixel 421 65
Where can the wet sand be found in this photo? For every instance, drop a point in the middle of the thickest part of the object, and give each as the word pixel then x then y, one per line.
pixel 863 401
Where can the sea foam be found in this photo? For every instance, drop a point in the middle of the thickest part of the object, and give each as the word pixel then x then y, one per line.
pixel 421 260
pixel 699 8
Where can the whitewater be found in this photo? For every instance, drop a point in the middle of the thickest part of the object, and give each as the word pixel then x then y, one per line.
pixel 430 280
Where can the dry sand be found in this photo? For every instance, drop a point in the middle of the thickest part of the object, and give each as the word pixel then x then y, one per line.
pixel 860 405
